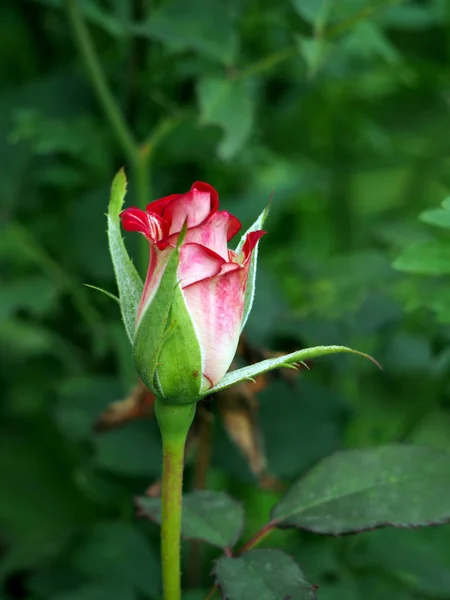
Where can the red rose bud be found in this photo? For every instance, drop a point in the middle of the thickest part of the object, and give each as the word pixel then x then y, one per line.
pixel 196 294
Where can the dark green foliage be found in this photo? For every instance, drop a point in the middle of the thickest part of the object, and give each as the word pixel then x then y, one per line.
pixel 264 574
pixel 342 108
pixel 356 490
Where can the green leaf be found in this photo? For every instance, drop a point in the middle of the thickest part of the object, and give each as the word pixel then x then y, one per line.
pixel 34 293
pixel 319 12
pixel 102 590
pixel 118 551
pixel 228 104
pixel 313 11
pixel 417 558
pixel 248 373
pixel 425 258
pixel 437 216
pixel 250 289
pixel 262 574
pixel 133 450
pixel 314 52
pixel 212 517
pixel 356 490
pixel 97 15
pixel 206 27
pixel 129 283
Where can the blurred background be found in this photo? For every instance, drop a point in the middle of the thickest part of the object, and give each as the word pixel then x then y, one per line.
pixel 343 108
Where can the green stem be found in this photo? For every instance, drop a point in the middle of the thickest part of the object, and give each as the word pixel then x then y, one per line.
pixel 174 423
pixel 98 80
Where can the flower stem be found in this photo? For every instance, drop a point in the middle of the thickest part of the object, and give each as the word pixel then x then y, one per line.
pixel 174 422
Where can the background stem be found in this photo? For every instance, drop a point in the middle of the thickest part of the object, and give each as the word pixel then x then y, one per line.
pixel 174 423
pixel 138 158
pixel 98 81
pixel 142 182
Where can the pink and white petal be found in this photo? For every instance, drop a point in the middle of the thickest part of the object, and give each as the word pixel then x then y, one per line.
pixel 195 206
pixel 156 265
pixel 214 233
pixel 197 263
pixel 216 306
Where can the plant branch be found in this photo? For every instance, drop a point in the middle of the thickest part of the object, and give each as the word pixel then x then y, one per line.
pixel 98 81
pixel 361 15
pixel 258 537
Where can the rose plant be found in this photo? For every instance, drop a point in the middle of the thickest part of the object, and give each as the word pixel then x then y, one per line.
pixel 184 325
pixel 184 322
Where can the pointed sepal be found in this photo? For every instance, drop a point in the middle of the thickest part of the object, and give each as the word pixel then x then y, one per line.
pixel 289 360
pixel 250 289
pixel 166 350
pixel 129 283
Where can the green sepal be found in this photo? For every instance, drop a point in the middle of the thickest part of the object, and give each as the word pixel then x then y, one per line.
pixel 128 280
pixel 166 350
pixel 251 280
pixel 289 360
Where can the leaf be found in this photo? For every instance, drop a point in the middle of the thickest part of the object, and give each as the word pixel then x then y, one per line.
pixel 250 289
pixel 35 531
pixel 35 293
pixel 128 281
pixel 118 551
pixel 204 27
pixel 262 574
pixel 283 361
pixel 425 258
pixel 417 558
pixel 314 52
pixel 357 490
pixel 318 12
pixel 437 216
pixel 228 104
pixel 102 590
pixel 315 12
pixel 94 13
pixel 133 450
pixel 212 517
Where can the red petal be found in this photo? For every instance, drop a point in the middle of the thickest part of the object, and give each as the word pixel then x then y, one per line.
pixel 135 219
pixel 250 242
pixel 158 206
pixel 151 225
